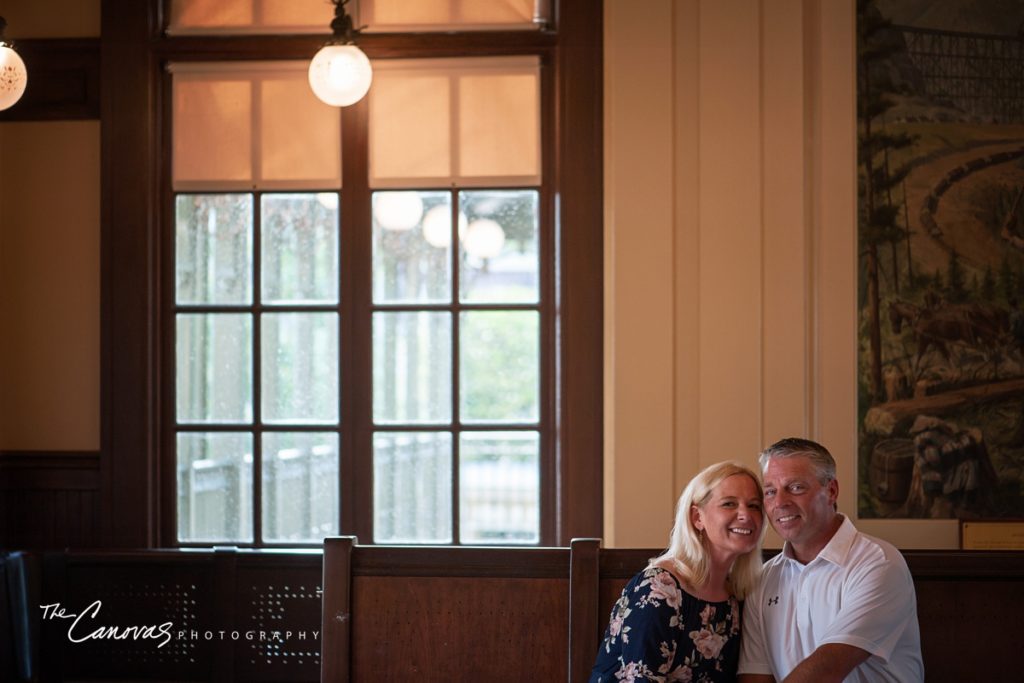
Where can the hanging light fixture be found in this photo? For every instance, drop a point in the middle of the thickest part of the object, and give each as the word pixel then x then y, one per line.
pixel 340 74
pixel 13 74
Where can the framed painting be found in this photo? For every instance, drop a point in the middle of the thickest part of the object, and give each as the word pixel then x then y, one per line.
pixel 940 167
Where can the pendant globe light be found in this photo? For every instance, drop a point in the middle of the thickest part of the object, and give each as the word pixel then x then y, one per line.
pixel 340 74
pixel 13 74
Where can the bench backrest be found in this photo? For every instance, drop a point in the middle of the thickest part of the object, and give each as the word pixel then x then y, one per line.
pixel 393 613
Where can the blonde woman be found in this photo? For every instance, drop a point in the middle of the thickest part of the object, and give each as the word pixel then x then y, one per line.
pixel 679 619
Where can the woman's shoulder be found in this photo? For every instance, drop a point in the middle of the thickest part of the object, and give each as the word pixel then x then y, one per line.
pixel 656 586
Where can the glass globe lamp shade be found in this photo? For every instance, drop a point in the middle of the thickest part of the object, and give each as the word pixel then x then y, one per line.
pixel 13 77
pixel 340 75
pixel 397 210
pixel 437 226
pixel 484 238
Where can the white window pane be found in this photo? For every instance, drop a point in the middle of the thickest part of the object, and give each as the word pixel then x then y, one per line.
pixel 300 486
pixel 213 249
pixel 499 368
pixel 409 125
pixel 499 125
pixel 499 247
pixel 412 247
pixel 300 136
pixel 214 367
pixel 212 129
pixel 499 487
pixel 412 367
pixel 299 368
pixel 214 487
pixel 412 487
pixel 300 248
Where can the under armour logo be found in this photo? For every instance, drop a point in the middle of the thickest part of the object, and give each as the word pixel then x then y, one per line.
pixel 773 601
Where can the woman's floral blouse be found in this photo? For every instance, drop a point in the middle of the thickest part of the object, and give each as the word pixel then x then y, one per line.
pixel 659 632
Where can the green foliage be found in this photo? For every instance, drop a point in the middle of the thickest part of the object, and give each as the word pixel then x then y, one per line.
pixel 500 372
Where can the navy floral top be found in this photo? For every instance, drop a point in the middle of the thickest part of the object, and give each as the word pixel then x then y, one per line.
pixel 659 632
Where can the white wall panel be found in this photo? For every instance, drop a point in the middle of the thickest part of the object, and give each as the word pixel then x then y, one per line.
pixel 730 230
pixel 638 272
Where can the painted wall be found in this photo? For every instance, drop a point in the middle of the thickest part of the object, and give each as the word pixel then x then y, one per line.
pixel 49 259
pixel 730 240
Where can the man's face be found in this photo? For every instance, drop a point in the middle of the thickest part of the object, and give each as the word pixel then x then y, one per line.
pixel 800 508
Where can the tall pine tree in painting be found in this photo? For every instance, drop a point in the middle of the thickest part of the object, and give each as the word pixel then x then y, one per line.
pixel 876 44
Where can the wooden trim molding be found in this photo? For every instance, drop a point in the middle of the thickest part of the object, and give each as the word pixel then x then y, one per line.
pixel 63 80
pixel 130 155
pixel 579 220
pixel 48 470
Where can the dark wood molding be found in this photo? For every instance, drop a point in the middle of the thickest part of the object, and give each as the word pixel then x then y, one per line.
pixel 63 80
pixel 496 563
pixel 128 266
pixel 580 222
pixel 47 470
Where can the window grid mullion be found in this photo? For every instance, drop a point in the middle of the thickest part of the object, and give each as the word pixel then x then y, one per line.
pixel 455 364
pixel 257 383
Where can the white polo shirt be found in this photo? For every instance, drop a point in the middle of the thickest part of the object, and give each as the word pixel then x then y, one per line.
pixel 857 591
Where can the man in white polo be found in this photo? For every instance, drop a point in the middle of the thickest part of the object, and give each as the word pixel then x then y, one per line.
pixel 835 604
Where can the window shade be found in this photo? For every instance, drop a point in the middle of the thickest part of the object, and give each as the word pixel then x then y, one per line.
pixel 438 15
pixel 471 123
pixel 249 16
pixel 252 126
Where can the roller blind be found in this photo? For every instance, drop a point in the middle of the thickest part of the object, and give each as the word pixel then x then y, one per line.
pixel 255 125
pixel 447 122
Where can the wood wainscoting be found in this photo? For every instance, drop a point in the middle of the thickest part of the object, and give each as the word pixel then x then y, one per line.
pixel 49 499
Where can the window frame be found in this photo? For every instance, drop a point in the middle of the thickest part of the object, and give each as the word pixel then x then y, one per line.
pixel 139 472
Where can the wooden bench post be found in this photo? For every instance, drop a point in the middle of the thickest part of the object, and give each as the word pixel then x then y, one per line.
pixel 584 619
pixel 336 613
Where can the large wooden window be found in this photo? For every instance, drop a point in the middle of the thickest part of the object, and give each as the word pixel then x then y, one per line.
pixel 382 320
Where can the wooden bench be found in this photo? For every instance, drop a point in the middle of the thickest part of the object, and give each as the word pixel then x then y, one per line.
pixel 500 614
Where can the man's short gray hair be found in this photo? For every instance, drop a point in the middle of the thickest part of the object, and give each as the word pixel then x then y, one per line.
pixel 823 462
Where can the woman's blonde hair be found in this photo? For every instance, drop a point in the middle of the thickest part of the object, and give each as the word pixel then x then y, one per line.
pixel 686 554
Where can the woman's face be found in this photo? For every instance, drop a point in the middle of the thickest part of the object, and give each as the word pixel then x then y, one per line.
pixel 732 517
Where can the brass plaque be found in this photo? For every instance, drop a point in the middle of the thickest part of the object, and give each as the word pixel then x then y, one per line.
pixel 1001 534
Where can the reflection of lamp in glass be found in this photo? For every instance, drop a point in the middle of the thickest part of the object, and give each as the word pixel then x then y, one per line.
pixel 397 210
pixel 484 238
pixel 13 74
pixel 437 226
pixel 340 74
pixel 328 200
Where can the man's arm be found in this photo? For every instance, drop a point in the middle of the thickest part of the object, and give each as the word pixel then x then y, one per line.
pixel 830 662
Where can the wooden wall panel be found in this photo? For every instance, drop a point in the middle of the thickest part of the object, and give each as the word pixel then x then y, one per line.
pixel 49 500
